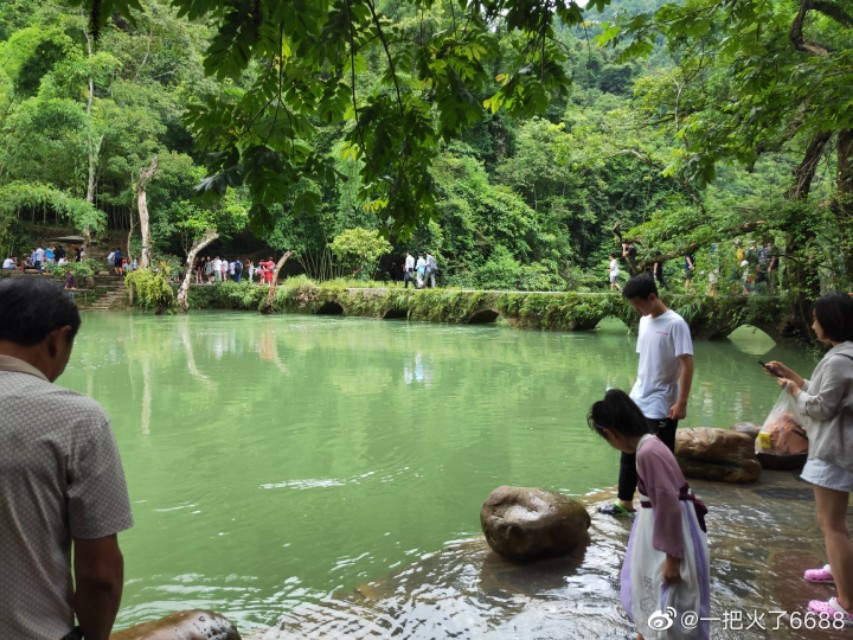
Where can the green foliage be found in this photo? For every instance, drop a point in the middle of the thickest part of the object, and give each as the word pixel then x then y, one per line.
pixel 294 65
pixel 360 249
pixel 19 196
pixel 84 269
pixel 150 289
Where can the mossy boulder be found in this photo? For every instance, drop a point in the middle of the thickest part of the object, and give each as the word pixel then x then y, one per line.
pixel 525 523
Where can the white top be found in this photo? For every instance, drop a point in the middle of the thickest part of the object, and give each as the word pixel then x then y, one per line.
pixel 60 478
pixel 410 263
pixel 614 267
pixel 8 263
pixel 660 342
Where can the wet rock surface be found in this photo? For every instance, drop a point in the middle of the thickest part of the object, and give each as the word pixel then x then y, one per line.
pixel 762 536
pixel 527 523
pixel 717 454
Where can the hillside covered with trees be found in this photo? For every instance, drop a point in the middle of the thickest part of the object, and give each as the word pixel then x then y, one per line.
pixel 509 138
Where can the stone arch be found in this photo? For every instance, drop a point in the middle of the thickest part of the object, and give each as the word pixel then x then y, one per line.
pixel 483 316
pixel 395 314
pixel 752 327
pixel 330 308
pixel 612 320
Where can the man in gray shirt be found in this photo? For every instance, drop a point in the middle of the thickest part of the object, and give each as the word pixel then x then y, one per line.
pixel 61 481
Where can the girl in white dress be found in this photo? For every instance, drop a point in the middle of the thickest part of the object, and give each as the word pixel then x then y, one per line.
pixel 665 581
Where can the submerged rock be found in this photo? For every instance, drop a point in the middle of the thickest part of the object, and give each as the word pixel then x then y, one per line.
pixel 717 454
pixel 182 625
pixel 526 523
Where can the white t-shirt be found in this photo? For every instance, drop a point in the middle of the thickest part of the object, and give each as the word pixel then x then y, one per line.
pixel 660 342
pixel 614 267
pixel 410 263
pixel 8 263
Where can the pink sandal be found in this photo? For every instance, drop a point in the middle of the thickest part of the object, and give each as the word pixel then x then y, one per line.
pixel 823 575
pixel 832 610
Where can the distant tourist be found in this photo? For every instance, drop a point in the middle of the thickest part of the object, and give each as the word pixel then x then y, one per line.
pixel 430 271
pixel 613 272
pixel 269 270
pixel 420 270
pixel 665 571
pixel 10 263
pixel 409 271
pixel 118 262
pixel 689 269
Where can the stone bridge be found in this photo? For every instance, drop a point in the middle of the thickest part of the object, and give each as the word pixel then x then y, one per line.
pixel 709 317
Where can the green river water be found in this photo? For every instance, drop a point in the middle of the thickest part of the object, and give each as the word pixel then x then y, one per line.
pixel 275 460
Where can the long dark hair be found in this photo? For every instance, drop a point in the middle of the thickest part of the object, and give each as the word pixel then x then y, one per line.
pixel 618 413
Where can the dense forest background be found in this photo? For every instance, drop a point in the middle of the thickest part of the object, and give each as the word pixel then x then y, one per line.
pixel 679 125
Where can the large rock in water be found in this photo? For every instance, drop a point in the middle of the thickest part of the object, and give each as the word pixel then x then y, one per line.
pixel 524 523
pixel 717 454
pixel 182 625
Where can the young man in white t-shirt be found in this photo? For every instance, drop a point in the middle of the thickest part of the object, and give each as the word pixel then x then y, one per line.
pixel 664 377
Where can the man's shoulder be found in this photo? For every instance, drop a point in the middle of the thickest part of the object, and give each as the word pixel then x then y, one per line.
pixel 53 397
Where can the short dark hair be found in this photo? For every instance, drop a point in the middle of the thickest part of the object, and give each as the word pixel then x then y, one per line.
pixel 641 286
pixel 32 307
pixel 834 312
pixel 618 413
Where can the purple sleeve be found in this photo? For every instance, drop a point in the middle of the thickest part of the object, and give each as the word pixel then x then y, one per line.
pixel 663 481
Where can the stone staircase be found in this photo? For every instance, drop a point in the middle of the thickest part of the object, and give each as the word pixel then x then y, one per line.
pixel 110 293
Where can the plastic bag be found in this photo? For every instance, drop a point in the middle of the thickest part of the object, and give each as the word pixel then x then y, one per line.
pixel 782 439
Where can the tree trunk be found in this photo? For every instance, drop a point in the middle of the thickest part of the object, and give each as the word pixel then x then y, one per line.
pixel 209 236
pixel 802 276
pixel 94 148
pixel 267 306
pixel 142 205
pixel 843 203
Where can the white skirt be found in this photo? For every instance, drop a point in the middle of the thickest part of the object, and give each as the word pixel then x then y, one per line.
pixel 678 611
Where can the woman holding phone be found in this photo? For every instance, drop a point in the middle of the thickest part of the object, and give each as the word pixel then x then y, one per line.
pixel 825 401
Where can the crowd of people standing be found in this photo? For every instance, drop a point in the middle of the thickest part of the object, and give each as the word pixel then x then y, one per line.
pixel 42 259
pixel 207 270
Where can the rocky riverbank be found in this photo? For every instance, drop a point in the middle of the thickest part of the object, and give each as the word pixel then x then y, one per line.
pixel 762 536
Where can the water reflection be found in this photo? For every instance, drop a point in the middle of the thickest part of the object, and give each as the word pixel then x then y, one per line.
pixel 311 463
pixel 415 371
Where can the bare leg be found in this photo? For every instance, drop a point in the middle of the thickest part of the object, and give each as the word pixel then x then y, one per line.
pixel 832 518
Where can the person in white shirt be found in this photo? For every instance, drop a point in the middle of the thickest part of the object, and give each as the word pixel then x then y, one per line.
pixel 664 377
pixel 217 269
pixel 409 271
pixel 9 263
pixel 614 272
pixel 420 270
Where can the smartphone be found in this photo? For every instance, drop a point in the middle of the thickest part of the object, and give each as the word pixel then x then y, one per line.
pixel 763 364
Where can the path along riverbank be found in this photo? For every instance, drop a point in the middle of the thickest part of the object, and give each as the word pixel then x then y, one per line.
pixel 762 536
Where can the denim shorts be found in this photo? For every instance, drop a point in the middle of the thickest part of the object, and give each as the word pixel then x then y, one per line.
pixel 827 475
